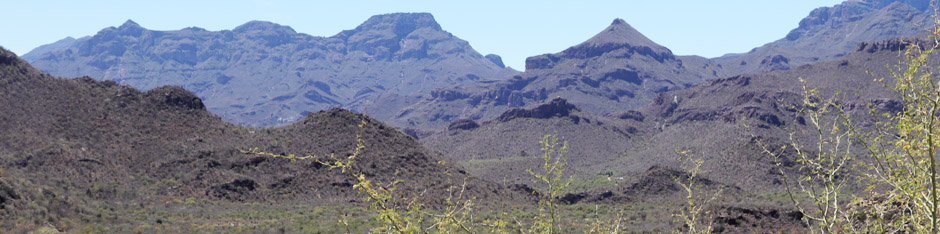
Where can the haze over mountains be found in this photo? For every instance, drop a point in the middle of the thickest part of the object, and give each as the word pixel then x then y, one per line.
pixel 623 102
pixel 265 74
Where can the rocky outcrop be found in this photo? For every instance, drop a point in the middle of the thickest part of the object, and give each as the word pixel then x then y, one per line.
pixel 462 124
pixel 496 59
pixel 773 63
pixel 558 107
pixel 176 96
pixel 631 114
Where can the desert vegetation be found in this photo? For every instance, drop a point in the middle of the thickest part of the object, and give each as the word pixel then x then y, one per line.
pixel 893 159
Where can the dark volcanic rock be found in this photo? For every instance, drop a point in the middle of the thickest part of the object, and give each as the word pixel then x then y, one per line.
pixel 773 63
pixel 631 114
pixel 556 108
pixel 176 96
pixel 264 74
pixel 462 124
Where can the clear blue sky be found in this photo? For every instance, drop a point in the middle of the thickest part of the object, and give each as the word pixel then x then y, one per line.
pixel 512 29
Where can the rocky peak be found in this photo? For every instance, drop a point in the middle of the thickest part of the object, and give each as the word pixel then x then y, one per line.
pixel 129 24
pixel 620 32
pixel 496 59
pixel 130 28
pixel 382 36
pixel 175 96
pixel 8 58
pixel 619 36
pixel 10 65
pixel 400 23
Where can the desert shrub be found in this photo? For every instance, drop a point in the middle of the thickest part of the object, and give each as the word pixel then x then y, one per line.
pixel 901 159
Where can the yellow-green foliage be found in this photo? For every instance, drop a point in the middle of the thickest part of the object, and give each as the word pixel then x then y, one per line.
pixel 697 202
pixel 901 155
pixel 904 151
pixel 823 163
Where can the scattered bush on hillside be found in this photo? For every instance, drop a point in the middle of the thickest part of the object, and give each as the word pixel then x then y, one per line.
pixel 823 162
pixel 695 210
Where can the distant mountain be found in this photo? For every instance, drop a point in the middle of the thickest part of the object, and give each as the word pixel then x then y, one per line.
pixel 77 152
pixel 615 70
pixel 832 32
pixel 265 74
pixel 714 120
pixel 63 44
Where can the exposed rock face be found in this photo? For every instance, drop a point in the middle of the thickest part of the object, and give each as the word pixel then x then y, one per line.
pixel 631 114
pixel 828 33
pixel 773 63
pixel 496 59
pixel 462 124
pixel 176 96
pixel 264 74
pixel 556 108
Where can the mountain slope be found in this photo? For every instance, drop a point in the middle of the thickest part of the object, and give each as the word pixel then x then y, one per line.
pixel 716 120
pixel 265 74
pixel 617 69
pixel 832 32
pixel 502 149
pixel 79 152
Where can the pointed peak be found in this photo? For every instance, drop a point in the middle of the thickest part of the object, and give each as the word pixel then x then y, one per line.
pixel 617 35
pixel 620 32
pixel 130 24
pixel 618 21
pixel 130 28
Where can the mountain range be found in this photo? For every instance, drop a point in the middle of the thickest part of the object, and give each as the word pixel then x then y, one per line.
pixel 405 70
pixel 119 140
pixel 265 74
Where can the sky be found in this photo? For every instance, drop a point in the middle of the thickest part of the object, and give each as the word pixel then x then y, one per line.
pixel 514 30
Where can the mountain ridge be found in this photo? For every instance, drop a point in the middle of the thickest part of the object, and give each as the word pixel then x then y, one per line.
pixel 265 74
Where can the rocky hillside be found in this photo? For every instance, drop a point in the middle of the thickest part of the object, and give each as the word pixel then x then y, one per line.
pixel 502 149
pixel 265 74
pixel 617 69
pixel 714 120
pixel 832 32
pixel 77 152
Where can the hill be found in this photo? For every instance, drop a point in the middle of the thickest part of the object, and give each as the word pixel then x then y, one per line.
pixel 265 74
pixel 79 153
